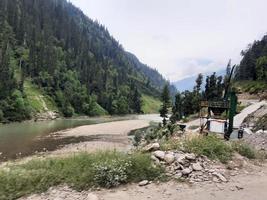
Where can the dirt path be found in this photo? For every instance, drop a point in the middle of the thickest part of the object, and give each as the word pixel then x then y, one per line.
pixel 238 119
pixel 248 186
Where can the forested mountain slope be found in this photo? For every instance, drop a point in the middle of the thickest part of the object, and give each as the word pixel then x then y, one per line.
pixel 73 61
pixel 253 65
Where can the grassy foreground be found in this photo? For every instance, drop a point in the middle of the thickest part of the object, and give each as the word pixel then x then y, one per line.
pixel 81 172
pixel 213 147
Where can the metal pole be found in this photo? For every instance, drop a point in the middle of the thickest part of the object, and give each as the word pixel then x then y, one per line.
pixel 232 112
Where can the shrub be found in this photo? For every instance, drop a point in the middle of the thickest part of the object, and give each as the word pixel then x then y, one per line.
pixel 244 150
pixel 111 174
pixel 68 111
pixel 106 169
pixel 210 146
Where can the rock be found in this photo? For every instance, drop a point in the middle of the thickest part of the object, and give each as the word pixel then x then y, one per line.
pixel 219 176
pixel 238 187
pixel 92 196
pixel 143 183
pixel 190 156
pixel 180 158
pixel 159 154
pixel 169 158
pixel 152 147
pixel 178 175
pixel 155 159
pixel 197 167
pixel 186 171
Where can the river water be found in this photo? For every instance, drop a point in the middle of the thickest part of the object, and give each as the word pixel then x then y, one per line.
pixel 23 139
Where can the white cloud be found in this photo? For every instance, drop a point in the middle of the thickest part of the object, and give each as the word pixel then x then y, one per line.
pixel 173 35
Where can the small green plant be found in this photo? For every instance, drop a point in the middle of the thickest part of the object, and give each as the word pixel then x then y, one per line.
pixel 111 174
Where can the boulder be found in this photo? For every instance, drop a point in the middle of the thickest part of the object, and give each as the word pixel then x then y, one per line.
pixel 197 166
pixel 155 159
pixel 190 156
pixel 169 158
pixel 152 147
pixel 143 183
pixel 178 175
pixel 186 171
pixel 180 158
pixel 159 154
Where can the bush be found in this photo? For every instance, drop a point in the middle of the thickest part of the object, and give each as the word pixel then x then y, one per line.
pixel 111 174
pixel 244 150
pixel 68 111
pixel 210 146
pixel 81 172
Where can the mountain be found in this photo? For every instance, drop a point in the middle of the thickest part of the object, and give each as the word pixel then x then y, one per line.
pixel 189 83
pixel 53 57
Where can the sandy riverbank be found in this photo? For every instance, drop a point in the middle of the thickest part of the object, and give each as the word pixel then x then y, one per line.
pixel 107 136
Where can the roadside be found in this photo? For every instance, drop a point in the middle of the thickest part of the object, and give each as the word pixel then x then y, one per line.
pixel 248 186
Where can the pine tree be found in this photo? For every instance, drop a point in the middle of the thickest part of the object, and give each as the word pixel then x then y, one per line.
pixel 166 102
pixel 177 112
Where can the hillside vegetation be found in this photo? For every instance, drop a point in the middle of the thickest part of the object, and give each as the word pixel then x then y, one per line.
pixel 50 48
pixel 253 66
pixel 150 105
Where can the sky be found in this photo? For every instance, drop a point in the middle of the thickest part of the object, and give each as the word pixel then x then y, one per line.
pixel 181 38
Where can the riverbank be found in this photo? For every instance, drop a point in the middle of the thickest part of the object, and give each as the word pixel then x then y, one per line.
pixel 106 136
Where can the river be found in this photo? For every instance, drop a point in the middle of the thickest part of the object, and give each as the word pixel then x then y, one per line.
pixel 23 139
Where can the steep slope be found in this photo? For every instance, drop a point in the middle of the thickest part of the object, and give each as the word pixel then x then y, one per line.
pixel 74 60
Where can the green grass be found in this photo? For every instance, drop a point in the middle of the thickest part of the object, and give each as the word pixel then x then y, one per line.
pixel 213 147
pixel 210 146
pixel 150 105
pixel 80 172
pixel 37 98
pixel 244 150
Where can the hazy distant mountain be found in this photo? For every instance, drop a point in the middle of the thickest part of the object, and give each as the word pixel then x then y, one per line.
pixel 189 83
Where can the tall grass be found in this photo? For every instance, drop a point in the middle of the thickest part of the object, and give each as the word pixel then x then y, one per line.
pixel 104 169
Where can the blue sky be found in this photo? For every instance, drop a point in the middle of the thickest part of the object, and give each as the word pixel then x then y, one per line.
pixel 181 38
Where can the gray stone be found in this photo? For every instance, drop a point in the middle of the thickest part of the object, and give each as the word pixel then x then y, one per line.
pixel 159 154
pixel 143 183
pixel 186 171
pixel 197 167
pixel 180 158
pixel 169 158
pixel 219 176
pixel 155 159
pixel 152 147
pixel 190 156
pixel 178 175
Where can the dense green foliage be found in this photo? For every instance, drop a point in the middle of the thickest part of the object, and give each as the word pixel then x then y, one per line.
pixel 71 58
pixel 188 102
pixel 166 103
pixel 253 65
pixel 81 172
